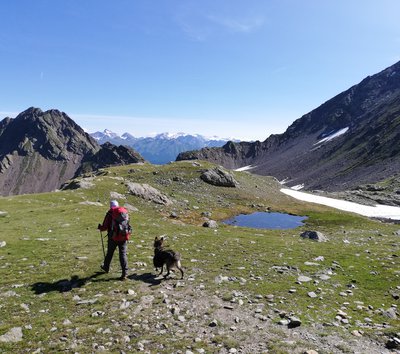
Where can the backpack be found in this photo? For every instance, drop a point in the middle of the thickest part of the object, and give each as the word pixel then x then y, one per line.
pixel 120 227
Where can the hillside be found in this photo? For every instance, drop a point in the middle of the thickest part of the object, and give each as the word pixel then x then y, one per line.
pixel 39 151
pixel 351 139
pixel 162 148
pixel 245 290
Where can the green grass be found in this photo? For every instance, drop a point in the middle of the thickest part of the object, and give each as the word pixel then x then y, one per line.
pixel 48 234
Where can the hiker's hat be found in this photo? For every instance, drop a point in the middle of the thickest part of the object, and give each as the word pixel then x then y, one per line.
pixel 114 204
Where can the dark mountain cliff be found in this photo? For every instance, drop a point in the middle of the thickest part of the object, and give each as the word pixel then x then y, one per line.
pixel 39 151
pixel 352 139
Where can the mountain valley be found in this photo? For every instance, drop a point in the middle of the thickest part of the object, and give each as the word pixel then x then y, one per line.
pixel 350 140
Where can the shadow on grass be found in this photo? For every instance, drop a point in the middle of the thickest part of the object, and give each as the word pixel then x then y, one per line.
pixel 63 285
pixel 148 278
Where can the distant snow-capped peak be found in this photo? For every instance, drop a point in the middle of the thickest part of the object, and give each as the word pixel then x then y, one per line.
pixel 106 133
pixel 109 133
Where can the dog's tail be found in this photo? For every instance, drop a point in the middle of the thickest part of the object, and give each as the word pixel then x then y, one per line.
pixel 177 257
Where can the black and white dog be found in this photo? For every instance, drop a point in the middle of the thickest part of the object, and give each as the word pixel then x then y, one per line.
pixel 170 258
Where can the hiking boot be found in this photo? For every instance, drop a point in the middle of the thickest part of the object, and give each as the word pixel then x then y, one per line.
pixel 104 269
pixel 123 277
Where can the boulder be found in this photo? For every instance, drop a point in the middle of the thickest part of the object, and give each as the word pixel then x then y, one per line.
pixel 314 235
pixel 211 224
pixel 130 207
pixel 219 177
pixel 148 192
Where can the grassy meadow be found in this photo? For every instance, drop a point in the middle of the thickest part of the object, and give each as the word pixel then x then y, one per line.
pixel 51 286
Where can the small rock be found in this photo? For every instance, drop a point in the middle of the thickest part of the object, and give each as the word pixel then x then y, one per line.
pixel 356 333
pixel 12 336
pixel 303 279
pixel 3 244
pixel 220 278
pixel 390 313
pixel 314 235
pixel 393 343
pixel 212 224
pixel 98 314
pixel 294 322
pixel 175 310
pixel 284 322
pixel 312 294
pixel 213 323
pixel 25 307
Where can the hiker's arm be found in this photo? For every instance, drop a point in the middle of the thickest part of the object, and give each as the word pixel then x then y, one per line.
pixel 106 223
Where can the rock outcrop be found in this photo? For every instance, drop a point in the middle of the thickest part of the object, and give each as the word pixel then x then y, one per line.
pixel 148 192
pixel 219 177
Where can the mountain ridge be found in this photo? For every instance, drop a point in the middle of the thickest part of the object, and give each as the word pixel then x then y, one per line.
pixel 365 153
pixel 161 148
pixel 39 151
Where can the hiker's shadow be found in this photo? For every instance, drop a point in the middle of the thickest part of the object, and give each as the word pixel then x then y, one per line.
pixel 148 278
pixel 63 285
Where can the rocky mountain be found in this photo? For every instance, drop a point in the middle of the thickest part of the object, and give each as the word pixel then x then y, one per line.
pixel 161 148
pixel 39 151
pixel 351 139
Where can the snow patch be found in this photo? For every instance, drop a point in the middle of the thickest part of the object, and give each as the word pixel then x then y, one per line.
pixel 245 168
pixel 298 187
pixel 377 211
pixel 332 136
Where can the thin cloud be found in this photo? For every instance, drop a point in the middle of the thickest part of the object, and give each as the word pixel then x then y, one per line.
pixel 246 25
pixel 201 26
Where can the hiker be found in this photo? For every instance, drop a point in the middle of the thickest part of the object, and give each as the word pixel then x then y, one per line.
pixel 118 234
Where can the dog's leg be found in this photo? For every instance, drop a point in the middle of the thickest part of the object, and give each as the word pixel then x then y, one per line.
pixel 166 275
pixel 178 265
pixel 162 269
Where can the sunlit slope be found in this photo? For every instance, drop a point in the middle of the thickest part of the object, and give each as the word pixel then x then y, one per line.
pixel 51 290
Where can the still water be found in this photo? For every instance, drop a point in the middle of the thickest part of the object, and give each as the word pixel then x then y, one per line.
pixel 266 220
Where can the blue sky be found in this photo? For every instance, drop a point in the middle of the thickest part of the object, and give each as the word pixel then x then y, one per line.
pixel 231 68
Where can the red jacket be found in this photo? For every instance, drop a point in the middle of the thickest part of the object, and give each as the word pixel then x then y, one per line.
pixel 107 222
pixel 108 225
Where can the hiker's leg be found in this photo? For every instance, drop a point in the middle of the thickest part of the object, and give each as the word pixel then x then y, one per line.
pixel 123 258
pixel 110 252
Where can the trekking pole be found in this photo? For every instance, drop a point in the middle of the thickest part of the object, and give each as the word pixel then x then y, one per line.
pixel 102 243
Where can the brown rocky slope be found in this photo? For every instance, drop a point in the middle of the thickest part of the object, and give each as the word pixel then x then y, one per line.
pixel 39 151
pixel 350 140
